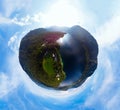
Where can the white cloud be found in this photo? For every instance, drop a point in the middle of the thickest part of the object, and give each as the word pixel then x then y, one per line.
pixel 21 21
pixel 104 86
pixel 108 78
pixel 13 43
pixel 12 39
pixel 4 20
pixel 7 84
pixel 65 13
pixel 61 13
pixel 102 83
pixel 10 6
pixel 109 32
pixel 114 103
pixel 54 94
pixel 38 17
pixel 11 80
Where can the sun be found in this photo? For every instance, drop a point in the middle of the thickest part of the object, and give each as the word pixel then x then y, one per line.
pixel 61 13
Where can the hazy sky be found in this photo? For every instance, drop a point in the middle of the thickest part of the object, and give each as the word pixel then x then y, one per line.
pixel 101 18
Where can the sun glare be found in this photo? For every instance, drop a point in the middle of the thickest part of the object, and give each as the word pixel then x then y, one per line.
pixel 61 14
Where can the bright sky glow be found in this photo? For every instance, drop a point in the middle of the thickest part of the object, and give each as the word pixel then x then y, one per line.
pixel 101 18
pixel 61 13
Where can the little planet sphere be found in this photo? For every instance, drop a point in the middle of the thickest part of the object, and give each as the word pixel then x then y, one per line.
pixel 59 57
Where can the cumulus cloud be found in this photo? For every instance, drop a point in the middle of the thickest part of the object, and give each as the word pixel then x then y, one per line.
pixel 38 17
pixel 21 21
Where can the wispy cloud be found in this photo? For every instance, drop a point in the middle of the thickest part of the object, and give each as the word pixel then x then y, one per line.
pixel 7 84
pixel 21 21
pixel 18 21
pixel 105 84
pixel 109 32
pixel 113 103
pixel 15 7
pixel 104 88
pixel 4 20
pixel 11 6
pixel 10 81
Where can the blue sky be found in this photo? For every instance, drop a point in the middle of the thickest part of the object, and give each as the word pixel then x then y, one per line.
pixel 101 18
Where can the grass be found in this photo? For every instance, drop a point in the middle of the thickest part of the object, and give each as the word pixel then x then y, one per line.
pixel 48 66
